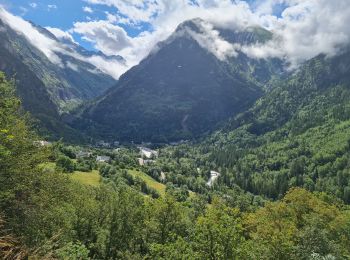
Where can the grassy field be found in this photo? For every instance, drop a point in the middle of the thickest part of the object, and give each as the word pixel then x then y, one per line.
pixel 149 181
pixel 48 166
pixel 87 178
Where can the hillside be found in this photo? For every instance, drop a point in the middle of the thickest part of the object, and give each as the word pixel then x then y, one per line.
pixel 67 84
pixel 45 212
pixel 297 135
pixel 48 89
pixel 181 90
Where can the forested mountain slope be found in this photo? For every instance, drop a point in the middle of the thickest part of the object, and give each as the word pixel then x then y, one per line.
pixel 45 88
pixel 182 89
pixel 297 135
pixel 45 214
pixel 66 84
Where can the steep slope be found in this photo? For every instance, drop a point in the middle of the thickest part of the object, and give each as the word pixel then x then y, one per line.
pixel 287 98
pixel 297 135
pixel 48 89
pixel 181 90
pixel 67 82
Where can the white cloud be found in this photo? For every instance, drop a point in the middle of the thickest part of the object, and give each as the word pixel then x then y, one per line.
pixel 60 34
pixel 106 37
pixel 24 10
pixel 209 38
pixel 87 9
pixel 50 7
pixel 165 16
pixel 33 5
pixel 49 47
pixel 135 10
pixel 43 43
pixel 112 18
pixel 305 28
pixel 113 68
pixel 72 66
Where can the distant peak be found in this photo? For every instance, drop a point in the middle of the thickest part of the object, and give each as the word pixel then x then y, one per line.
pixel 43 31
pixel 193 24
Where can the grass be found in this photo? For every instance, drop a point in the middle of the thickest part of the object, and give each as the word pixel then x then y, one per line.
pixel 149 181
pixel 48 166
pixel 192 194
pixel 88 178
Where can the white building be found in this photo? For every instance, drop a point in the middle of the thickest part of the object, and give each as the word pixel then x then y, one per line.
pixel 162 176
pixel 213 176
pixel 148 153
pixel 42 143
pixel 82 154
pixel 103 158
pixel 143 162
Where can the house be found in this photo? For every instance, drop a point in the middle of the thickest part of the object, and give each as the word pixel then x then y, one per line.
pixel 103 158
pixel 148 153
pixel 143 162
pixel 162 176
pixel 82 154
pixel 41 143
pixel 213 176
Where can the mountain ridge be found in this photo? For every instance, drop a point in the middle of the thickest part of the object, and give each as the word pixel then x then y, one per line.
pixel 205 89
pixel 46 89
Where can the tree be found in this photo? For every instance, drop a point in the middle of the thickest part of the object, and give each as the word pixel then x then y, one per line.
pixel 297 226
pixel 65 164
pixel 169 220
pixel 218 234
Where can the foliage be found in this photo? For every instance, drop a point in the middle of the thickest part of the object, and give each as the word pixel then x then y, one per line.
pixel 296 135
pixel 73 251
pixel 282 192
pixel 65 164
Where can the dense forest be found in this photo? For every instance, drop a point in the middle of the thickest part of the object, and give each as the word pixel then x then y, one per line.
pixel 45 214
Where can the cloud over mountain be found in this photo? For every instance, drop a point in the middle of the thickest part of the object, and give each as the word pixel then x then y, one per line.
pixel 303 28
pixel 51 47
pixel 109 38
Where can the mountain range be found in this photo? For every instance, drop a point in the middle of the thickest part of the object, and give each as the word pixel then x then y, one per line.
pixel 182 90
pixel 49 89
pixel 185 88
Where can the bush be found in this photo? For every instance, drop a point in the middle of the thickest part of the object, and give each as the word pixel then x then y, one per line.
pixel 65 164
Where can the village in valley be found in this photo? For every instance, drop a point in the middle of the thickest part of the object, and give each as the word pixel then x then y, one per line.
pixel 156 169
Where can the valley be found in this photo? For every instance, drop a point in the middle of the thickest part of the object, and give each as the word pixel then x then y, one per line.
pixel 219 138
